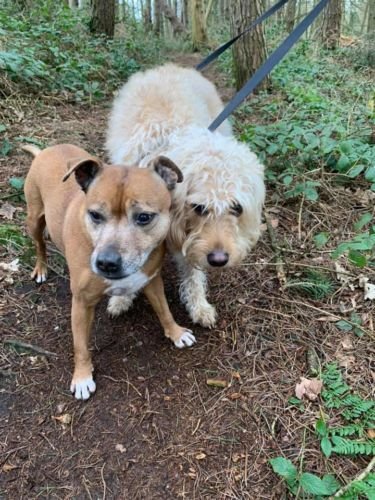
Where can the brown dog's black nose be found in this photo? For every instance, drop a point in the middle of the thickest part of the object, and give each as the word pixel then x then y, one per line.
pixel 109 263
pixel 217 258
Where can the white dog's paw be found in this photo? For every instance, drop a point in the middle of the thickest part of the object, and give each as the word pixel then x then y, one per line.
pixel 82 389
pixel 119 304
pixel 187 339
pixel 204 314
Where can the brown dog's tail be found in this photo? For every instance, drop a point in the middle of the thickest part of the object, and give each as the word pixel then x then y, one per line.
pixel 34 150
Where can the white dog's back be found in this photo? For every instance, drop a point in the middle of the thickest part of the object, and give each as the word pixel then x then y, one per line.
pixel 154 104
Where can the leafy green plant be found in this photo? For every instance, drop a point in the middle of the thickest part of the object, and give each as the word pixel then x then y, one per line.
pixel 49 46
pixel 305 481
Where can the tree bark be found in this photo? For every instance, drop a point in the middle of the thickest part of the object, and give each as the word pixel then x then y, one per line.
pixel 249 52
pixel 371 33
pixel 103 17
pixel 185 13
pixel 331 28
pixel 290 15
pixel 157 17
pixel 147 16
pixel 177 26
pixel 198 28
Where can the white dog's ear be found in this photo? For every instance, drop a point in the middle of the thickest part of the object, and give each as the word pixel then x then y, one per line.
pixel 168 171
pixel 85 171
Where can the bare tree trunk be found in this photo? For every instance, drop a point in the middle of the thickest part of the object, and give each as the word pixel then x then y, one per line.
pixel 208 11
pixel 103 17
pixel 185 13
pixel 198 29
pixel 371 33
pixel 331 28
pixel 147 16
pixel 290 15
pixel 157 17
pixel 250 51
pixel 177 26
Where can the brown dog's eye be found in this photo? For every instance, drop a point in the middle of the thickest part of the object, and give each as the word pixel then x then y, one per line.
pixel 96 217
pixel 236 209
pixel 144 218
pixel 200 210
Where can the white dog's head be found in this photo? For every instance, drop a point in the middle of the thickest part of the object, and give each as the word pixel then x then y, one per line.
pixel 216 211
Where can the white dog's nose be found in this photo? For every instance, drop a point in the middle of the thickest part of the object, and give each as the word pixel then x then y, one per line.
pixel 217 258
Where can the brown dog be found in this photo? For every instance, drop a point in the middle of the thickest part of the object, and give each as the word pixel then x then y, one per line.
pixel 110 223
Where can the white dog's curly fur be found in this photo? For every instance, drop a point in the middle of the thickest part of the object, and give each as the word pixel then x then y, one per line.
pixel 216 211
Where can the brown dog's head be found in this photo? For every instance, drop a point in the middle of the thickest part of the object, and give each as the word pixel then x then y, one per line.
pixel 126 212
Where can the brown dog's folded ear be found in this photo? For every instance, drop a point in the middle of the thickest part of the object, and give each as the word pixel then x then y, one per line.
pixel 168 171
pixel 85 170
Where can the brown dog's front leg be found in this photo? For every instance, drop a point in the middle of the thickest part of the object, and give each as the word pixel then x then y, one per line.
pixel 154 291
pixel 82 318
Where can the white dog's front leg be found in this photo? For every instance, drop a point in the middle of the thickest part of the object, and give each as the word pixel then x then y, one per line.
pixel 193 294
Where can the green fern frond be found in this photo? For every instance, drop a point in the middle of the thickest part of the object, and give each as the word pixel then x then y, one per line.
pixel 343 446
pixel 348 430
pixel 314 284
pixel 364 488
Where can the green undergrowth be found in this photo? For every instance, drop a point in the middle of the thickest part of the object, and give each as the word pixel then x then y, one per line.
pixel 48 49
pixel 318 119
pixel 346 427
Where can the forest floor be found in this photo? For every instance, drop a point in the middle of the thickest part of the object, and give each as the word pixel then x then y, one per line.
pixel 154 428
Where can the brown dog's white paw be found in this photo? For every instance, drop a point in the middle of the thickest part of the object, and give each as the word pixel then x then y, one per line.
pixel 181 337
pixel 39 273
pixel 205 315
pixel 83 388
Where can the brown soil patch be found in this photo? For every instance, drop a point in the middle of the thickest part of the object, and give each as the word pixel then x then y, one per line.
pixel 155 429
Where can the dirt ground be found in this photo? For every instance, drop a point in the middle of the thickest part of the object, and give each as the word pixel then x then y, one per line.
pixel 155 429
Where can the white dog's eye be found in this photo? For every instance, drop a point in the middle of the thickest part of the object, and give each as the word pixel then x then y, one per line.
pixel 199 209
pixel 236 209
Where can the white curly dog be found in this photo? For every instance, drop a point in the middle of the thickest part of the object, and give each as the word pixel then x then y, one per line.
pixel 216 211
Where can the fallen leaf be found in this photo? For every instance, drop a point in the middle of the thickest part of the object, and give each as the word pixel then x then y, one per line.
pixel 369 291
pixel 235 395
pixel 119 447
pixel 200 456
pixel 347 343
pixel 9 467
pixel 343 275
pixel 371 433
pixel 64 419
pixel 237 456
pixel 7 210
pixel 310 388
pixel 60 407
pixel 12 267
pixel 345 361
pixel 216 382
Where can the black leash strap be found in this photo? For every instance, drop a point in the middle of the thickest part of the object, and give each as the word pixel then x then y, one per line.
pixel 211 57
pixel 268 66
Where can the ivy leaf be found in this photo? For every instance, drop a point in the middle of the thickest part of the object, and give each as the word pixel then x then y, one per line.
pixel 344 326
pixel 17 183
pixel 326 446
pixel 331 483
pixel 321 239
pixel 321 427
pixel 314 485
pixel 284 468
pixel 365 219
pixel 343 164
pixel 357 258
pixel 355 171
